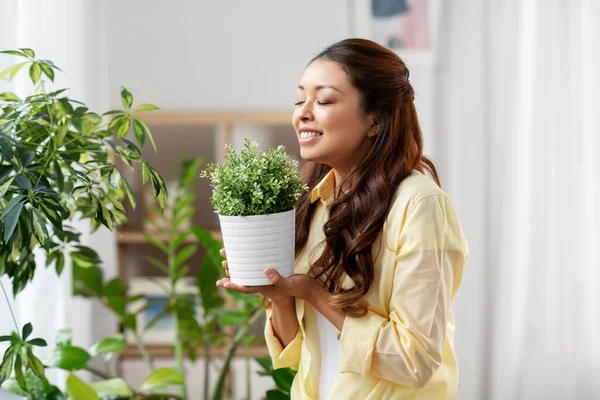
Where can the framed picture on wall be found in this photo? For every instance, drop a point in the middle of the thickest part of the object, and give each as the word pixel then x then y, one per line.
pixel 409 27
pixel 154 302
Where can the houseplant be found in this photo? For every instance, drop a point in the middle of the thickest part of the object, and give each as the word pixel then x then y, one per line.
pixel 254 194
pixel 56 165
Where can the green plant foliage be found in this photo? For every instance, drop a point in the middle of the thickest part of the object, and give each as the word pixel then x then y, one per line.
pixel 251 182
pixel 56 161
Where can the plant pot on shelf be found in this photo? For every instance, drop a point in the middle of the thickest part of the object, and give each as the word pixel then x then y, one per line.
pixel 256 242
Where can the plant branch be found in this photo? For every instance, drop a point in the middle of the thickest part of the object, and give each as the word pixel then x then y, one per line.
pixel 97 372
pixel 10 308
pixel 237 340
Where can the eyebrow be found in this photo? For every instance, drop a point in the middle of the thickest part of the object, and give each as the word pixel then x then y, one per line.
pixel 319 87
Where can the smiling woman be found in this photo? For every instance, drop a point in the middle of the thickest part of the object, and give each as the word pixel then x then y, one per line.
pixel 379 250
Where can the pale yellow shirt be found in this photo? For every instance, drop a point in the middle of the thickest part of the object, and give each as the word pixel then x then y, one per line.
pixel 404 347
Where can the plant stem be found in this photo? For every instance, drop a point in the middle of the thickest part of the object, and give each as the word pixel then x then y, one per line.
pixel 97 372
pixel 206 366
pixel 237 340
pixel 178 346
pixel 142 348
pixel 248 376
pixel 10 308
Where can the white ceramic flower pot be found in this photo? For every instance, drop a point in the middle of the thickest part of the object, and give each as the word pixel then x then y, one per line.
pixel 257 242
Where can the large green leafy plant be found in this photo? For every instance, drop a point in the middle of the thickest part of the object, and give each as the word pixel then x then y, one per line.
pixel 56 164
pixel 251 182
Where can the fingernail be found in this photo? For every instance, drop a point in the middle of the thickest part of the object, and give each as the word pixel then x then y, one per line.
pixel 269 272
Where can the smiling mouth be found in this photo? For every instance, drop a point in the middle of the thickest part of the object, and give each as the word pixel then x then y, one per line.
pixel 310 134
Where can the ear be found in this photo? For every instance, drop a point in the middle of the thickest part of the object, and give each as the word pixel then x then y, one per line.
pixel 374 129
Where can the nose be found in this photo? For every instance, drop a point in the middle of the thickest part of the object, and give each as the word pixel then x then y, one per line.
pixel 305 112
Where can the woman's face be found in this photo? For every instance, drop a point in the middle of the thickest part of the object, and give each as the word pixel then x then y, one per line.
pixel 332 128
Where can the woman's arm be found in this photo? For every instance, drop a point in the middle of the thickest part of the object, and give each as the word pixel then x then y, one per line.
pixel 283 319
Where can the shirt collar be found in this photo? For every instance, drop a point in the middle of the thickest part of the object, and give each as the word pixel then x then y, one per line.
pixel 325 190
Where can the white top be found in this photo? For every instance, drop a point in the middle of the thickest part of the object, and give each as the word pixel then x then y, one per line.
pixel 330 355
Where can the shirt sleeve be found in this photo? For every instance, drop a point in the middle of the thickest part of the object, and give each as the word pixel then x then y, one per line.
pixel 288 357
pixel 406 347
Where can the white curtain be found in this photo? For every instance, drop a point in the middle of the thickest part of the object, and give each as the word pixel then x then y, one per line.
pixel 518 125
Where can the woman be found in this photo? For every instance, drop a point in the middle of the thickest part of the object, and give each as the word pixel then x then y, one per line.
pixel 379 250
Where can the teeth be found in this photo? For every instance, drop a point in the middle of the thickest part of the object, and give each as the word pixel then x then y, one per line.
pixel 306 135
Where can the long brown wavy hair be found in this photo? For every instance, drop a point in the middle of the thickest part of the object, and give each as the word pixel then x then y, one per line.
pixel 358 213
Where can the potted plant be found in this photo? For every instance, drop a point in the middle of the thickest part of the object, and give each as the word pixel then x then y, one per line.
pixel 254 194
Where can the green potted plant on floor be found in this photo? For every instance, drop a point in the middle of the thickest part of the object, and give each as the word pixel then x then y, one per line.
pixel 254 194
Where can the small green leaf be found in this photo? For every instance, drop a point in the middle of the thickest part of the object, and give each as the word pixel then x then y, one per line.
pixel 60 263
pixel 230 317
pixel 29 52
pixel 7 364
pixel 184 254
pixel 35 364
pixel 79 390
pixel 8 96
pixel 27 329
pixel 39 229
pixel 27 158
pixel 7 339
pixel 130 194
pixel 38 342
pixel 115 178
pixel 126 97
pixel 123 127
pixel 111 112
pixel 14 53
pixel 156 242
pixel 142 127
pixel 112 388
pixel 11 217
pixel 162 377
pixel 145 173
pixel 113 344
pixel 19 372
pixel 69 358
pixel 140 134
pixel 283 378
pixel 35 72
pixel 4 186
pixel 48 71
pixel 146 107
pixel 12 71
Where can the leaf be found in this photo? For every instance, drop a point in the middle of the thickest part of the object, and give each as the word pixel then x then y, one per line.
pixel 230 317
pixel 79 390
pixel 9 96
pixel 265 362
pixel 112 387
pixel 111 112
pixel 27 158
pixel 35 72
pixel 283 378
pixel 184 254
pixel 158 264
pixel 12 71
pixel 145 173
pixel 115 178
pixel 7 364
pixel 48 71
pixel 27 329
pixel 39 229
pixel 140 134
pixel 38 342
pixel 156 242
pixel 14 53
pixel 142 127
pixel 27 51
pixel 35 364
pixel 146 107
pixel 60 263
pixel 123 127
pixel 130 194
pixel 19 372
pixel 4 187
pixel 11 215
pixel 126 97
pixel 13 386
pixel 113 344
pixel 277 395
pixel 162 377
pixel 69 358
pixel 23 182
pixel 6 338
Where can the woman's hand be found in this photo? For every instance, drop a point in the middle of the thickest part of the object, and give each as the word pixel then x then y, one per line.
pixel 301 286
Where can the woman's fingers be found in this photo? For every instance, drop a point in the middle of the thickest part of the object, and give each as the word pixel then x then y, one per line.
pixel 227 284
pixel 222 253
pixel 226 267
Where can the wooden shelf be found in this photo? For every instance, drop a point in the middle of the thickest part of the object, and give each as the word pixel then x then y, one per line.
pixel 137 237
pixel 216 117
pixel 165 351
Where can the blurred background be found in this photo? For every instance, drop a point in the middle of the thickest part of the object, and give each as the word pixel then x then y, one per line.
pixel 508 94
